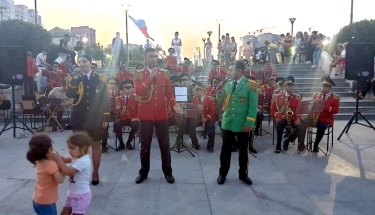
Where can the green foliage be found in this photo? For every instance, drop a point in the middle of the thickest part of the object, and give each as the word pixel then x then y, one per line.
pixel 19 33
pixel 95 52
pixel 135 54
pixel 134 63
pixel 362 31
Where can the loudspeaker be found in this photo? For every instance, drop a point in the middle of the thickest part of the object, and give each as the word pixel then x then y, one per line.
pixel 13 65
pixel 359 61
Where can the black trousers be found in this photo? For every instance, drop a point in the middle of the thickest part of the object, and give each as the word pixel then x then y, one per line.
pixel 28 86
pixel 188 125
pixel 162 128
pixel 282 57
pixel 259 120
pixel 320 126
pixel 280 126
pixel 229 137
pixel 134 126
pixel 71 53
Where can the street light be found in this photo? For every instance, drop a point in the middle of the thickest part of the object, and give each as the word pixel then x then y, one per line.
pixel 36 13
pixel 292 20
pixel 199 54
pixel 204 47
pixel 219 21
pixel 84 40
pixel 126 9
pixel 2 10
pixel 209 34
pixel 351 13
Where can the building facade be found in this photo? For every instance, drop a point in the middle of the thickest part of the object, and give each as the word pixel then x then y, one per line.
pixel 20 12
pixel 85 32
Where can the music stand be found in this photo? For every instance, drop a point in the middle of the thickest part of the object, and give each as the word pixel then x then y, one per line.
pixel 310 107
pixel 181 147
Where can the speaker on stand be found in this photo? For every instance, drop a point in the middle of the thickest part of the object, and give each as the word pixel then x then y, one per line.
pixel 13 71
pixel 360 67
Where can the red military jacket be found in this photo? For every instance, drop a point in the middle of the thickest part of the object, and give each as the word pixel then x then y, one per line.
pixel 279 102
pixel 211 92
pixel 188 70
pixel 170 61
pixel 112 99
pixel 58 77
pixel 264 89
pixel 208 107
pixel 152 94
pixel 32 69
pixel 217 73
pixel 127 111
pixel 332 105
pixel 122 76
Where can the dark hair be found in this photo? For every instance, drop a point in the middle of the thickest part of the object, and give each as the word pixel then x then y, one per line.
pixel 139 66
pixel 39 146
pixel 239 65
pixel 282 35
pixel 87 57
pixel 150 50
pixel 68 57
pixel 94 64
pixel 55 63
pixel 176 32
pixel 82 140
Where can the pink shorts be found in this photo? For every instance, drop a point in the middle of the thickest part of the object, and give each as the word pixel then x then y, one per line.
pixel 78 202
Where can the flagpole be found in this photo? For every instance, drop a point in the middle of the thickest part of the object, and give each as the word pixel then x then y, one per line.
pixel 126 8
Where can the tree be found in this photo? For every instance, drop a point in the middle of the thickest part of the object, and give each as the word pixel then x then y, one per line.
pixel 95 52
pixel 19 33
pixel 362 31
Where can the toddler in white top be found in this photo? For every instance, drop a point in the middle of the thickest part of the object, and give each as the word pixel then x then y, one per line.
pixel 79 193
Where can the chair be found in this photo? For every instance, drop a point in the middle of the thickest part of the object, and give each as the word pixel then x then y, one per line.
pixel 5 105
pixel 328 132
pixel 126 130
pixel 274 128
pixel 30 109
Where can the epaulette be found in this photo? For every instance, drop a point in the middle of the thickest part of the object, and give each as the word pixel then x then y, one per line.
pixel 299 97
pixel 337 97
pixel 103 78
pixel 315 95
pixel 166 74
pixel 253 84
pixel 275 95
pixel 138 75
pixel 261 87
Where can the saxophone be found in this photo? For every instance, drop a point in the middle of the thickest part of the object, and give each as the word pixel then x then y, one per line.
pixel 119 111
pixel 286 110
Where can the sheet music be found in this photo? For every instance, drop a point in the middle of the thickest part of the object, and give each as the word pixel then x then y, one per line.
pixel 180 91
pixel 181 98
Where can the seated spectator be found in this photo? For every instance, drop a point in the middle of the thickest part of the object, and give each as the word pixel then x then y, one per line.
pixel 41 60
pixel 79 48
pixel 341 61
pixel 66 66
pixel 59 93
pixel 336 55
pixel 64 48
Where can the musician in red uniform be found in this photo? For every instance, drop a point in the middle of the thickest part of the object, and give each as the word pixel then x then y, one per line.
pixel 152 87
pixel 279 88
pixel 283 108
pixel 184 80
pixel 123 75
pixel 127 111
pixel 170 61
pixel 172 119
pixel 113 92
pixel 187 68
pixel 216 71
pixel 324 119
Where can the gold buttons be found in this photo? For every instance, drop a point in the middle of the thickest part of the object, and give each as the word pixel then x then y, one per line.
pixel 87 94
pixel 87 100
pixel 88 87
pixel 232 108
pixel 88 108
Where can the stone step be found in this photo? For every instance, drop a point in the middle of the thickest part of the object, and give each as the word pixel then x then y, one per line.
pixel 318 88
pixel 339 84
pixel 351 109
pixel 347 116
pixel 350 102
pixel 315 80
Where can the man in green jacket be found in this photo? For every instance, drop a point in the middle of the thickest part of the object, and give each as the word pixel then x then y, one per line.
pixel 240 103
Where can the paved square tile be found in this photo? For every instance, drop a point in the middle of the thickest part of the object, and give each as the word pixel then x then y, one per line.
pixel 308 184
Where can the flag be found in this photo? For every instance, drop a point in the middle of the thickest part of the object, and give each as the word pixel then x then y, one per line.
pixel 141 24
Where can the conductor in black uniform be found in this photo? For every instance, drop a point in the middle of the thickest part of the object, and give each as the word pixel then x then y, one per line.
pixel 89 113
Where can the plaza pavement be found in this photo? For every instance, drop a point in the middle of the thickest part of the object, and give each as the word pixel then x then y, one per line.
pixel 342 183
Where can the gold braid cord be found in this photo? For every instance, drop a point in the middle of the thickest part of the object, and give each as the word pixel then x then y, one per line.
pixel 80 92
pixel 146 98
pixel 226 102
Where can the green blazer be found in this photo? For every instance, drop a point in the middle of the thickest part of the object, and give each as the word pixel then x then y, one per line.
pixel 240 108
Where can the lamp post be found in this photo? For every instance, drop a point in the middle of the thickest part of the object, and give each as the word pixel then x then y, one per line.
pixel 219 21
pixel 209 34
pixel 351 13
pixel 36 13
pixel 126 9
pixel 2 10
pixel 195 57
pixel 204 49
pixel 292 20
pixel 199 54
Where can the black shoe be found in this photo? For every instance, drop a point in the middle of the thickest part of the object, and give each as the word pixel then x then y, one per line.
pixel 105 148
pixel 204 137
pixel 220 180
pixel 197 146
pixel 234 149
pixel 170 179
pixel 252 150
pixel 210 150
pixel 315 149
pixel 246 180
pixel 120 147
pixel 95 182
pixel 129 146
pixel 140 179
pixel 277 150
pixel 286 145
pixel 257 133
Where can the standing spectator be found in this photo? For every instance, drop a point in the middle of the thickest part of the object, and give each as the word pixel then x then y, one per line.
pixel 117 49
pixel 272 47
pixel 248 51
pixel 297 46
pixel 41 60
pixel 303 45
pixel 228 48
pixel 288 43
pixel 318 43
pixel 176 43
pixel 281 46
pixel 147 45
pixel 310 47
pixel 208 49
pixel 32 70
pixel 234 44
pixel 79 48
pixel 64 48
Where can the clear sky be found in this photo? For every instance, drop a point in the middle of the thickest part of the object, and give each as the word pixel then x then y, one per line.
pixel 195 17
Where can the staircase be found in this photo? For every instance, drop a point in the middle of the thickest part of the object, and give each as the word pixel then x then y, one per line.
pixel 307 81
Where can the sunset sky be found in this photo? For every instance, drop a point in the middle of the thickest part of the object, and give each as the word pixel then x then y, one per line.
pixel 195 17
